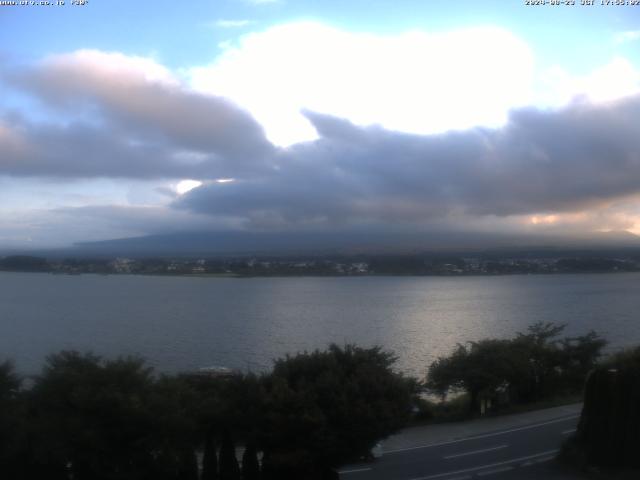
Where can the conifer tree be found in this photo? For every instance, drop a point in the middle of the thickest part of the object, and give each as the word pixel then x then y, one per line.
pixel 229 468
pixel 250 465
pixel 210 458
pixel 188 469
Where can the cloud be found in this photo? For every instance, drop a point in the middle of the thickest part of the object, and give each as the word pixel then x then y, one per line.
pixel 585 157
pixel 628 36
pixel 617 79
pixel 125 116
pixel 232 23
pixel 418 82
pixel 382 156
pixel 60 211
pixel 263 2
pixel 54 227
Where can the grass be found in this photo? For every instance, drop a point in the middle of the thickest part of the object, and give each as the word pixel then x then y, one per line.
pixel 456 409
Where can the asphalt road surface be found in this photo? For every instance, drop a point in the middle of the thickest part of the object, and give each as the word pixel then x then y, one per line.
pixel 523 452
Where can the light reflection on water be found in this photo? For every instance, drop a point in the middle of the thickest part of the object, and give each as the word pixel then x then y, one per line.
pixel 180 323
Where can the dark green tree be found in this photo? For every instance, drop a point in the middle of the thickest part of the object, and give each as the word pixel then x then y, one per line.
pixel 250 465
pixel 210 458
pixel 579 356
pixel 24 263
pixel 327 407
pixel 478 368
pixel 529 367
pixel 12 422
pixel 540 347
pixel 229 468
pixel 106 419
pixel 172 405
pixel 188 465
pixel 609 428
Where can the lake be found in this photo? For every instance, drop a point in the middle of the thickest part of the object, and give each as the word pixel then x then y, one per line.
pixel 183 323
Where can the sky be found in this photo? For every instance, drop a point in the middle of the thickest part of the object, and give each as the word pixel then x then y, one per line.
pixel 122 119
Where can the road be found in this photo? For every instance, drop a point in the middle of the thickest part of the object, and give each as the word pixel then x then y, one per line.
pixel 518 452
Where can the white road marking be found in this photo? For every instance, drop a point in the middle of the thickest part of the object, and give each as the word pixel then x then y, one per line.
pixel 567 432
pixel 491 465
pixel 494 471
pixel 542 460
pixel 475 451
pixel 355 470
pixel 487 435
pixel 538 460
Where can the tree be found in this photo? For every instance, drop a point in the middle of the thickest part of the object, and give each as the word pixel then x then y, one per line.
pixel 171 405
pixel 24 263
pixel 579 357
pixel 210 458
pixel 106 419
pixel 540 346
pixel 556 364
pixel 250 465
pixel 9 382
pixel 530 366
pixel 188 465
pixel 229 468
pixel 327 407
pixel 478 368
pixel 609 429
pixel 12 440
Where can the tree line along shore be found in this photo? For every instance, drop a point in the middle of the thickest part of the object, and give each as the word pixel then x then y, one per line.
pixel 441 265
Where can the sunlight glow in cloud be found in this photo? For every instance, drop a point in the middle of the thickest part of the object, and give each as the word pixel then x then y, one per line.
pixel 185 185
pixel 414 82
pixel 635 228
pixel 538 219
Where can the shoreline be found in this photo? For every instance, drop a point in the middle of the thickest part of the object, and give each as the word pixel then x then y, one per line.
pixel 305 275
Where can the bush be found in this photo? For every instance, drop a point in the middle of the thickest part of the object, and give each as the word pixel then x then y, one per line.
pixel 530 367
pixel 609 428
pixel 333 406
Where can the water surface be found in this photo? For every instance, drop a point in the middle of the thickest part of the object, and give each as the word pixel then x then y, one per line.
pixel 183 323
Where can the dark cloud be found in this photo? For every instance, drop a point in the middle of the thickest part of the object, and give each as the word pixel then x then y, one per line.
pixel 65 225
pixel 81 150
pixel 579 157
pixel 127 117
pixel 120 116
